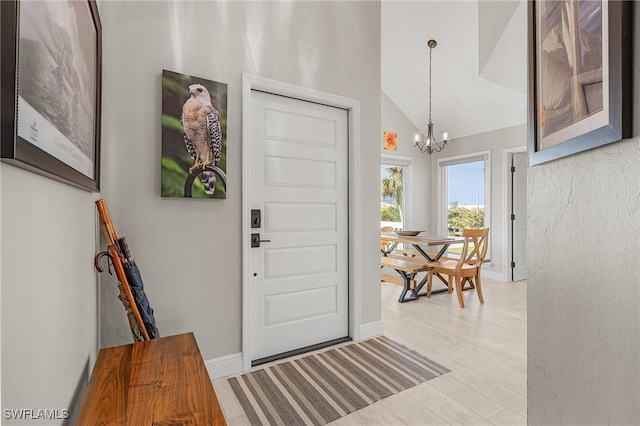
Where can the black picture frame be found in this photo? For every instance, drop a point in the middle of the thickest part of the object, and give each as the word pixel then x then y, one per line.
pixel 617 123
pixel 70 152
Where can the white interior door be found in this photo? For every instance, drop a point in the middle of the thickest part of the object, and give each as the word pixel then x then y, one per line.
pixel 299 181
pixel 519 212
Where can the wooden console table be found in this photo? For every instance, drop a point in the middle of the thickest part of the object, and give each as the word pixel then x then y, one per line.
pixel 158 382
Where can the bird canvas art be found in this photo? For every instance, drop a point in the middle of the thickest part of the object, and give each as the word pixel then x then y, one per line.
pixel 194 139
pixel 202 135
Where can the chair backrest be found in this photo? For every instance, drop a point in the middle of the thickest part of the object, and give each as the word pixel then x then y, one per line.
pixel 476 242
pixel 384 244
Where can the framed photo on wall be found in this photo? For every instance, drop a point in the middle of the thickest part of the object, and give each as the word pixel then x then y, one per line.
pixel 579 76
pixel 51 89
pixel 194 137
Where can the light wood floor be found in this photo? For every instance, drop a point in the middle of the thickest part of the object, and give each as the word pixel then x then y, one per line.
pixel 483 345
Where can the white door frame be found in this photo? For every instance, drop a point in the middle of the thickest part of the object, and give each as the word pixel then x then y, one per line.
pixel 252 82
pixel 506 196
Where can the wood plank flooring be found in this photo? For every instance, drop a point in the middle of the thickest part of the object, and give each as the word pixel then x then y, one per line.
pixel 485 346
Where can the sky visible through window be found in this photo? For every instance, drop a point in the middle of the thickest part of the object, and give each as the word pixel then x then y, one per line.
pixel 466 183
pixel 384 174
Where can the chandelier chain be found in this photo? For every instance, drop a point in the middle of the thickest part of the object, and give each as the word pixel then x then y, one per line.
pixel 430 50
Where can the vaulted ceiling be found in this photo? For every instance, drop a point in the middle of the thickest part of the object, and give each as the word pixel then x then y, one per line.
pixel 479 69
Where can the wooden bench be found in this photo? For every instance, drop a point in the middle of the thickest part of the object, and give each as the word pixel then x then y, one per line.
pixel 407 269
pixel 161 382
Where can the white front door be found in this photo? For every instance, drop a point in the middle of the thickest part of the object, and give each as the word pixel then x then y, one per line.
pixel 519 217
pixel 299 182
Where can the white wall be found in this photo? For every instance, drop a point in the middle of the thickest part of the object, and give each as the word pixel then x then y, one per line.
pixel 394 120
pixel 49 297
pixel 496 142
pixel 189 251
pixel 583 292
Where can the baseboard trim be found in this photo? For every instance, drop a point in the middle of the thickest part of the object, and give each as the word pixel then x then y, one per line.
pixel 372 329
pixel 497 276
pixel 224 366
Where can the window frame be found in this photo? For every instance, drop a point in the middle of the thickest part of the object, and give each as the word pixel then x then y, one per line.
pixel 442 181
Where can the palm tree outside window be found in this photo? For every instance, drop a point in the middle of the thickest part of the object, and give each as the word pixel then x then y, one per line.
pixel 392 196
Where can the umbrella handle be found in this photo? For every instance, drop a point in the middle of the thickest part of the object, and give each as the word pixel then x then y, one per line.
pixel 98 258
pixel 124 249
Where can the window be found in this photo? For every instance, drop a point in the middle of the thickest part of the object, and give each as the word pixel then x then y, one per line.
pixel 464 193
pixel 394 184
pixel 391 196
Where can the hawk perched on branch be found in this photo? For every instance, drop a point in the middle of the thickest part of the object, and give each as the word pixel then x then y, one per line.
pixel 202 133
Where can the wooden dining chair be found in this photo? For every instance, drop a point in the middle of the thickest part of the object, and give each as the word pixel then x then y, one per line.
pixel 384 244
pixel 467 268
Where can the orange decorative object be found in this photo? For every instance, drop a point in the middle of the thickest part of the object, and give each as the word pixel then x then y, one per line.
pixel 390 141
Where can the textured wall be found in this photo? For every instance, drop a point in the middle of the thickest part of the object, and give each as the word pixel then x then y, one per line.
pixel 190 250
pixel 583 292
pixel 49 298
pixel 393 120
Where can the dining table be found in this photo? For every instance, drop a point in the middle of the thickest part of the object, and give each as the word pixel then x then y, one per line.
pixel 420 244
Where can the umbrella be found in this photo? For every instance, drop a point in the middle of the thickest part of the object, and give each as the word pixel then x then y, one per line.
pixel 140 314
pixel 134 278
pixel 122 295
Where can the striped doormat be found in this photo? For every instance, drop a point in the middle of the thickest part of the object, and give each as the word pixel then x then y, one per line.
pixel 322 387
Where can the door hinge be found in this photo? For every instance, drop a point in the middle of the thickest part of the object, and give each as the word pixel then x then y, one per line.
pixel 513 264
pixel 513 217
pixel 513 169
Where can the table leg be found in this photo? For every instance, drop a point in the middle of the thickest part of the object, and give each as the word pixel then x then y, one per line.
pixel 440 253
pixel 425 254
pixel 408 294
pixel 422 283
pixel 389 249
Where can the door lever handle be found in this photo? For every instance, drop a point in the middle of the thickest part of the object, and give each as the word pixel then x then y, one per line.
pixel 255 240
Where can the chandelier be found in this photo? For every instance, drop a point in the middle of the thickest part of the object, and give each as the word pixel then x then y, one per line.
pixel 429 143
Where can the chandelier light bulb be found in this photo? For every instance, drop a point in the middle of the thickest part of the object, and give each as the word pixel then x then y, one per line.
pixel 416 137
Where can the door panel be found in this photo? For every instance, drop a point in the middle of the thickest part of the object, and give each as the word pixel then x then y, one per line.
pixel 287 307
pixel 299 173
pixel 288 126
pixel 299 180
pixel 298 261
pixel 299 217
